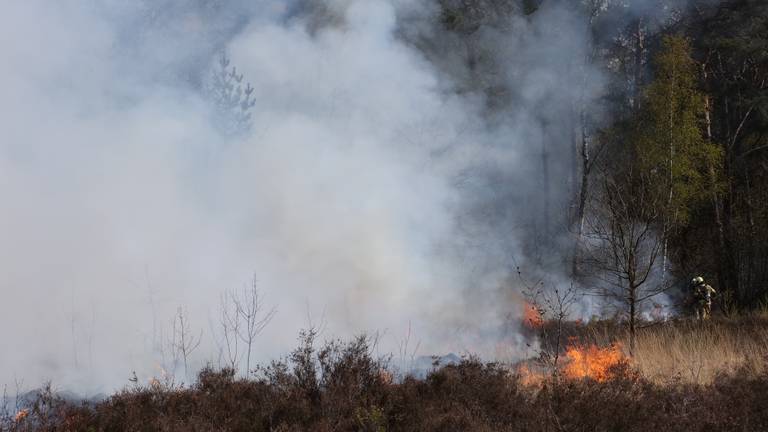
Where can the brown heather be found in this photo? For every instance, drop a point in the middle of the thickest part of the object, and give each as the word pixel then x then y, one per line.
pixel 685 376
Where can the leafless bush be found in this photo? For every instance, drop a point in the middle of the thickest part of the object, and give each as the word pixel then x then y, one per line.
pixel 553 306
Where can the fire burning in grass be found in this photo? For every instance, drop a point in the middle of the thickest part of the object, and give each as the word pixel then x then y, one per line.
pixel 21 415
pixel 532 316
pixel 529 377
pixel 593 362
pixel 579 362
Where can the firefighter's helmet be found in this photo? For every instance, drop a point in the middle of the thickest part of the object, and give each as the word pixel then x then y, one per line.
pixel 698 280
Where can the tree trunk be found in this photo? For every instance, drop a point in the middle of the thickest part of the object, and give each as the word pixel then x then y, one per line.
pixel 546 216
pixel 716 205
pixel 632 296
pixel 574 162
pixel 638 66
pixel 632 317
pixel 670 220
pixel 581 209
pixel 248 360
pixel 583 144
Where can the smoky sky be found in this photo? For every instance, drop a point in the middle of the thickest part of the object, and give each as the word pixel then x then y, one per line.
pixel 378 189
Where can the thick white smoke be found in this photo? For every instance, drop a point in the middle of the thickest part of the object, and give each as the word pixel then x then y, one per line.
pixel 368 191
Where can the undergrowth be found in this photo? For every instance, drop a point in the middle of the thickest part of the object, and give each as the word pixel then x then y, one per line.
pixel 342 386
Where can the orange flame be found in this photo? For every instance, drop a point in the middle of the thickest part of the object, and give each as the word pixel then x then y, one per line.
pixel 593 362
pixel 532 316
pixel 21 415
pixel 528 377
pixel 579 362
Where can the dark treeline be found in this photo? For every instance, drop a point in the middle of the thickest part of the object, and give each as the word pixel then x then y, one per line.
pixel 668 165
pixel 697 128
pixel 730 47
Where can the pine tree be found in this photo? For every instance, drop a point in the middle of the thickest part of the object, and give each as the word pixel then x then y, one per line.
pixel 232 102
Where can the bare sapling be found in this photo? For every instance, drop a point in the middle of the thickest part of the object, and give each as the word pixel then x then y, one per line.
pixel 407 355
pixel 554 306
pixel 230 328
pixel 184 342
pixel 243 318
pixel 254 319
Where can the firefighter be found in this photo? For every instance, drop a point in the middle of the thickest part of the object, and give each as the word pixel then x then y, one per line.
pixel 702 298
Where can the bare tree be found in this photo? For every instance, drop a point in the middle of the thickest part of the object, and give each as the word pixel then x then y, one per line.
pixel 230 328
pixel 183 341
pixel 624 245
pixel 243 318
pixel 582 134
pixel 218 343
pixel 249 309
pixel 169 357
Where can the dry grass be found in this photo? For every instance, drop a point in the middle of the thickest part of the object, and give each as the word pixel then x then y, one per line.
pixel 339 386
pixel 698 353
pixel 683 351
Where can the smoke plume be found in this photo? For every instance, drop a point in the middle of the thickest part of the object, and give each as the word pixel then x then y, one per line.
pixel 394 176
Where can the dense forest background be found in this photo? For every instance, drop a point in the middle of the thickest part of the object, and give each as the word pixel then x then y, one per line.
pixel 666 173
